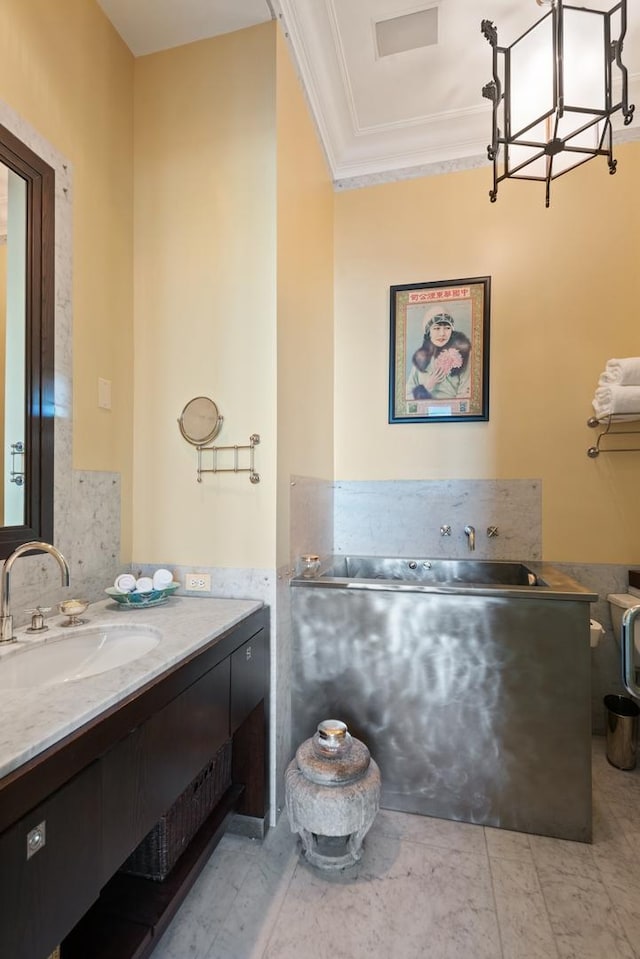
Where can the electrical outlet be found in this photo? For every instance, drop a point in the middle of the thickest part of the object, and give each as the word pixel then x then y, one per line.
pixel 197 582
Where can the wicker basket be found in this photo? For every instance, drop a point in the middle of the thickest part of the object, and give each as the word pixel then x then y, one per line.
pixel 158 852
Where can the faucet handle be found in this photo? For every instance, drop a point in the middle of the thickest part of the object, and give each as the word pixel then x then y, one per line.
pixel 445 530
pixel 492 531
pixel 37 619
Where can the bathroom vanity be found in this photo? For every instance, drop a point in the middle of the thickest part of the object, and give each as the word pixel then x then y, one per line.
pixel 88 767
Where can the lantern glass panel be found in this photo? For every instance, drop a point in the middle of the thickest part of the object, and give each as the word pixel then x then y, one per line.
pixel 584 59
pixel 532 75
pixel 533 169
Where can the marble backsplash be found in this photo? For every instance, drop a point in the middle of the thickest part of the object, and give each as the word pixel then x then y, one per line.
pixel 404 517
pixel 311 517
pixel 88 536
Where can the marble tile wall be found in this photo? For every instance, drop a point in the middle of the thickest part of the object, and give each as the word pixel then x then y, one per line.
pixel 311 517
pixel 403 518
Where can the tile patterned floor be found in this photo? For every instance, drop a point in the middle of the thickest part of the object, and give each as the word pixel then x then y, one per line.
pixel 427 888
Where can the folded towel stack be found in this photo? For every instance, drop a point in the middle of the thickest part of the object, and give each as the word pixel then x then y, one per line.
pixel 624 372
pixel 618 391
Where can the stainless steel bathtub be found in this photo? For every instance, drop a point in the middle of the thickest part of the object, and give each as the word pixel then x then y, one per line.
pixel 468 680
pixel 432 571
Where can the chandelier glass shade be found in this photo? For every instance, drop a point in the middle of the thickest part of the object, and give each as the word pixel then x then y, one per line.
pixel 554 91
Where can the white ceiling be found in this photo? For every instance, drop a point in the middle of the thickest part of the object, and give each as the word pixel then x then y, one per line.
pixel 378 118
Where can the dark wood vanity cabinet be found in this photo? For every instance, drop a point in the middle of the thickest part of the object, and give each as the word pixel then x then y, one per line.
pixel 249 667
pixel 99 792
pixel 143 775
pixel 49 868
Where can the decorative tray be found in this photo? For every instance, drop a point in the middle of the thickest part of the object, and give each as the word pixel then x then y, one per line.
pixel 137 600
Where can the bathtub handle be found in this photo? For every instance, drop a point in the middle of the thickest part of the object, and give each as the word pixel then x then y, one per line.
pixel 628 649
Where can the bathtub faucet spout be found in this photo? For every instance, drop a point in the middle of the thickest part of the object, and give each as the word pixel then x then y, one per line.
pixel 471 533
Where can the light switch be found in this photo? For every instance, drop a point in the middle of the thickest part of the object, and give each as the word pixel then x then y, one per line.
pixel 104 394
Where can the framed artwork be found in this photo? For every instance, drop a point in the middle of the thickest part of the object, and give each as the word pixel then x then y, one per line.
pixel 439 351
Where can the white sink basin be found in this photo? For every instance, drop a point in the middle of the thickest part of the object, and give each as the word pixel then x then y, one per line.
pixel 77 655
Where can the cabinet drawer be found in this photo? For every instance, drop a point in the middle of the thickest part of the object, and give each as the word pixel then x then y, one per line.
pixel 145 773
pixel 43 896
pixel 248 678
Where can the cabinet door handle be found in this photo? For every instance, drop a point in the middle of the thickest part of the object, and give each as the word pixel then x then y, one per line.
pixel 248 653
pixel 36 838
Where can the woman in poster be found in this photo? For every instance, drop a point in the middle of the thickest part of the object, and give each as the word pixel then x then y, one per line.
pixel 440 367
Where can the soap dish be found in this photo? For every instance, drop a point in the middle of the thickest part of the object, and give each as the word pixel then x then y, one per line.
pixel 73 608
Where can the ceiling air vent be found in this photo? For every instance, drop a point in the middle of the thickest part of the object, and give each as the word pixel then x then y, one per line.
pixel 410 32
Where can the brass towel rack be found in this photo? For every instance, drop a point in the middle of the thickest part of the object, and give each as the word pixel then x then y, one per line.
pixel 613 420
pixel 249 448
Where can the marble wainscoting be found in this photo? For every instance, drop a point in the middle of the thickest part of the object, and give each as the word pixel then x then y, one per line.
pixel 311 508
pixel 403 518
pixel 88 537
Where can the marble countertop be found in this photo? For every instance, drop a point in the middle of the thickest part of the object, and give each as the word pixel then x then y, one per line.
pixel 31 720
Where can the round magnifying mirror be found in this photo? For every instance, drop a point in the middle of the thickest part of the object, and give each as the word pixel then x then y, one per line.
pixel 200 421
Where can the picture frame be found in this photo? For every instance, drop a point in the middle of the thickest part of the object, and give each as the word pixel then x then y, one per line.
pixel 439 351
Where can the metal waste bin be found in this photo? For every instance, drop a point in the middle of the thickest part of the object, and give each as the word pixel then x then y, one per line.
pixel 621 715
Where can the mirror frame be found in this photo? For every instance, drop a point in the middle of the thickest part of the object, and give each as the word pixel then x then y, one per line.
pixel 216 423
pixel 39 345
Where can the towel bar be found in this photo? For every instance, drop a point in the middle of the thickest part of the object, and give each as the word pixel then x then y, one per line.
pixel 610 421
pixel 254 477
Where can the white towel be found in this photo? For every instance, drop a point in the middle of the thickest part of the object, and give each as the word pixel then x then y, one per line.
pixel 624 372
pixel 621 401
pixel 125 583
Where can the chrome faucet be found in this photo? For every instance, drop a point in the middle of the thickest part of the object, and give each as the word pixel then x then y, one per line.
pixel 6 619
pixel 471 533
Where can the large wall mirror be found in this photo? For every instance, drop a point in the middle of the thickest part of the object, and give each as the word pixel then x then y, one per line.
pixel 27 201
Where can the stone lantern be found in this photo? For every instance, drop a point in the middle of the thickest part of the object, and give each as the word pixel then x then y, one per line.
pixel 332 790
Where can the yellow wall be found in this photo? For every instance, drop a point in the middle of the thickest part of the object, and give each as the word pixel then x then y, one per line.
pixel 67 73
pixel 205 294
pixel 305 297
pixel 563 302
